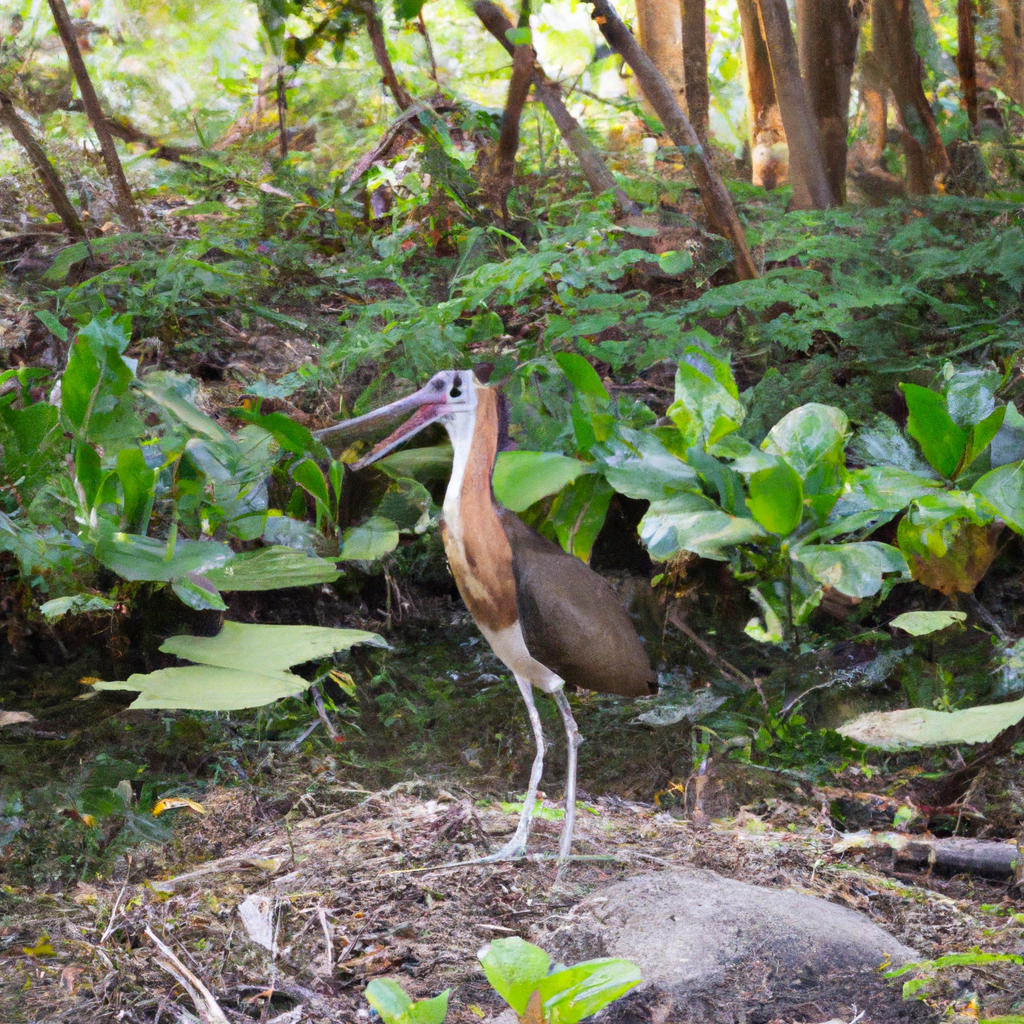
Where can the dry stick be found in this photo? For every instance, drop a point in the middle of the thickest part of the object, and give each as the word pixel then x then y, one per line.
pixel 375 30
pixel 202 997
pixel 965 59
pixel 713 192
pixel 595 170
pixel 806 166
pixel 122 193
pixel 508 141
pixel 45 171
pixel 728 669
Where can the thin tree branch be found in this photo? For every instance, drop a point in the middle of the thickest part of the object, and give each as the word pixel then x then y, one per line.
pixel 41 164
pixel 375 30
pixel 595 170
pixel 518 91
pixel 713 192
pixel 126 207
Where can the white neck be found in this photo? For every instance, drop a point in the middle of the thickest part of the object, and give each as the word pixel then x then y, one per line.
pixel 460 429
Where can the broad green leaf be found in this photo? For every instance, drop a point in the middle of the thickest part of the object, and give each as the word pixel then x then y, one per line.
pixel 183 410
pixel 208 688
pixel 407 10
pixel 429 1011
pixel 515 968
pixel 198 592
pixel 691 522
pixel 572 993
pixel 583 376
pixel 811 439
pixel 272 568
pixel 369 541
pixel 883 444
pixel 388 998
pixel 980 436
pixel 930 424
pixel 423 464
pixel 522 478
pixel 88 471
pixel 408 504
pixel 308 475
pixel 578 514
pixel 55 327
pixel 134 557
pixel 882 488
pixel 1008 445
pixel 267 648
pixel 78 383
pixel 638 465
pixel 1003 489
pixel 77 604
pixel 705 409
pixel 856 569
pixel 776 498
pixel 923 623
pixel 292 436
pixel 137 482
pixel 675 262
pixel 919 727
pixel 516 36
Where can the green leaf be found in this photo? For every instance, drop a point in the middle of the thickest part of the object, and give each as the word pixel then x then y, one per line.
pixel 292 436
pixel 638 465
pixel 572 993
pixel 930 424
pixel 578 513
pixel 583 376
pixel 920 727
pixel 134 557
pixel 272 568
pixel 1003 489
pixel 980 436
pixel 88 471
pixel 408 504
pixel 308 475
pixel 776 498
pixel 691 522
pixel 522 478
pixel 676 262
pixel 518 36
pixel 183 410
pixel 55 327
pixel 515 969
pixel 267 648
pixel 856 569
pixel 423 464
pixel 811 439
pixel 78 383
pixel 369 541
pixel 1008 445
pixel 205 688
pixel 77 604
pixel 705 409
pixel 389 999
pixel 429 1011
pixel 137 483
pixel 883 489
pixel 923 623
pixel 195 590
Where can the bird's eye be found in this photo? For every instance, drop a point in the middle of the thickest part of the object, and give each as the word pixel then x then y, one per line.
pixel 456 390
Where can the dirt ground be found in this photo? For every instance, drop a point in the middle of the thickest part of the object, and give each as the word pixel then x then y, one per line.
pixel 350 886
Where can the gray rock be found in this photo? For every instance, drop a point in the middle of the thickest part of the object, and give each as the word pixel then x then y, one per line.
pixel 716 951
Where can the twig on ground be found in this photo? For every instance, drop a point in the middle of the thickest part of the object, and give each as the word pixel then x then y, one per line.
pixel 202 997
pixel 730 670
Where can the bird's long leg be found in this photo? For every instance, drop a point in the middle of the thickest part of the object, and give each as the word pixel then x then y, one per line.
pixel 516 846
pixel 573 740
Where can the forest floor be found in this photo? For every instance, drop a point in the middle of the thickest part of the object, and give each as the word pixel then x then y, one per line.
pixel 283 909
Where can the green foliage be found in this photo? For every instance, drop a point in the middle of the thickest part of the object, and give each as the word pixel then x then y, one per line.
pixel 395 1007
pixel 928 971
pixel 523 976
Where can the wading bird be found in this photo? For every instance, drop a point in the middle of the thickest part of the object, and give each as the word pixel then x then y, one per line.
pixel 549 617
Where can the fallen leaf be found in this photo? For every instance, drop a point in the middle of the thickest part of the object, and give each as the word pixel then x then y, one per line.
pixel 173 802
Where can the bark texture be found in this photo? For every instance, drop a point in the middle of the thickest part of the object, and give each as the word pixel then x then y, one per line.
pixel 827 31
pixel 966 64
pixel 1010 38
pixel 769 154
pixel 892 34
pixel 45 171
pixel 695 65
pixel 713 192
pixel 508 141
pixel 660 26
pixel 806 167
pixel 375 30
pixel 126 207
pixel 595 170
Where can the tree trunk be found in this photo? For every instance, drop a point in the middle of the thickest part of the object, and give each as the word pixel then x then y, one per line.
pixel 45 171
pixel 1010 39
pixel 892 33
pixel 965 59
pixel 508 141
pixel 695 65
pixel 595 170
pixel 660 27
pixel 126 208
pixel 375 30
pixel 874 90
pixel 713 193
pixel 827 31
pixel 807 169
pixel 769 154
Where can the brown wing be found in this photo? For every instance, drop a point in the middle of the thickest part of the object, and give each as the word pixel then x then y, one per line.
pixel 571 619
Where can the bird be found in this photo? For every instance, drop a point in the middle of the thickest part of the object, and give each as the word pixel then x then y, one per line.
pixel 547 615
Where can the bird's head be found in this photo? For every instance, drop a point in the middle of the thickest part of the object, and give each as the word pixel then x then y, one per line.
pixel 448 394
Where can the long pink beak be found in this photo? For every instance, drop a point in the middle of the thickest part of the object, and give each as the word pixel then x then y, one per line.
pixel 426 405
